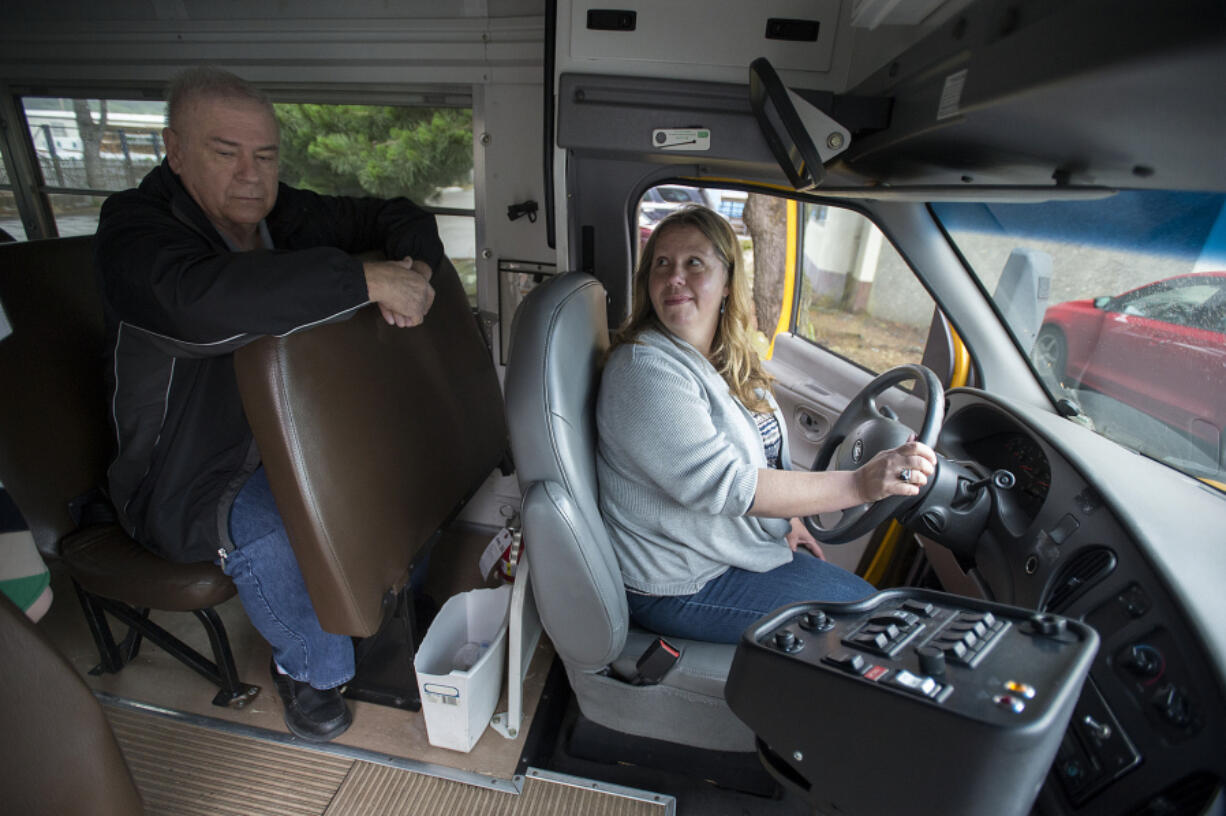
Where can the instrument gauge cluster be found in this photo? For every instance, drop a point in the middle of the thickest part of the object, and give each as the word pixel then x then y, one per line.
pixel 1021 455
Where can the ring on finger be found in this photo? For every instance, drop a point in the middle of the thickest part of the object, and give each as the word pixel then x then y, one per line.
pixel 905 474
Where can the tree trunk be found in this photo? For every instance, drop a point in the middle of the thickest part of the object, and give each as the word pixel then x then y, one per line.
pixel 766 218
pixel 851 284
pixel 91 141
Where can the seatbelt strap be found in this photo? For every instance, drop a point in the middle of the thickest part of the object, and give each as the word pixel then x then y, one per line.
pixel 657 661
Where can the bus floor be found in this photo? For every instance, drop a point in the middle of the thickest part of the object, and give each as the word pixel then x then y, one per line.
pixel 156 679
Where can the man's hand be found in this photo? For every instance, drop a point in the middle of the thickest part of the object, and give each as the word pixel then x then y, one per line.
pixel 402 290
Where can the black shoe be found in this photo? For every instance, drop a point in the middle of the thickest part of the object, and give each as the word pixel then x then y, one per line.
pixel 311 714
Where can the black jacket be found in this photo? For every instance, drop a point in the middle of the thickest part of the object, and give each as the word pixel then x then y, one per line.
pixel 178 303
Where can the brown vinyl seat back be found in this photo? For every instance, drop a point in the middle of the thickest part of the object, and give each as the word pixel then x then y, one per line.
pixel 372 436
pixel 59 754
pixel 55 439
pixel 55 442
pixel 55 446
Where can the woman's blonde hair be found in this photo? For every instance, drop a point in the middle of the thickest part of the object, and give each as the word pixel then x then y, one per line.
pixel 732 354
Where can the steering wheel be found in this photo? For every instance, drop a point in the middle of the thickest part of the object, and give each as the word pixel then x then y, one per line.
pixel 862 431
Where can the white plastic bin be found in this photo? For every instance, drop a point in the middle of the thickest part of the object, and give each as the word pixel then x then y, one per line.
pixel 458 700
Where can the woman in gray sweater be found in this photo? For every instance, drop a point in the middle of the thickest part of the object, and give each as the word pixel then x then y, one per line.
pixel 693 457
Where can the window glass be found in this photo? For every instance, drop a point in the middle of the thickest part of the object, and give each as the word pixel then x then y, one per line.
pixel 857 296
pixel 1121 304
pixel 10 219
pixel 76 214
pixel 659 201
pixel 89 147
pixel 425 154
pixel 1180 302
pixel 676 195
pixel 95 144
pixel 458 233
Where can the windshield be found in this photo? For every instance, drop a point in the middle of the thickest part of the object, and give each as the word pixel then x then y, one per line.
pixel 1120 303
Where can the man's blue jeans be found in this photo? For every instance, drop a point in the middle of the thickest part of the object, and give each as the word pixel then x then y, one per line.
pixel 270 587
pixel 727 605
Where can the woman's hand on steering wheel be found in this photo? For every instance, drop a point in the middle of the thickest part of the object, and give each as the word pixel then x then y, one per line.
pixel 900 471
pixel 868 438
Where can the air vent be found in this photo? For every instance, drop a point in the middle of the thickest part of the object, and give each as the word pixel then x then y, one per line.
pixel 1187 797
pixel 1083 570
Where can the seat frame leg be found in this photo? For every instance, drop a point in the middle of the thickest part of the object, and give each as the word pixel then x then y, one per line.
pixel 384 661
pixel 232 691
pixel 130 647
pixel 111 661
pixel 221 671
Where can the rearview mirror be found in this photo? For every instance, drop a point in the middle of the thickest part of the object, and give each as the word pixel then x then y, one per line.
pixel 801 137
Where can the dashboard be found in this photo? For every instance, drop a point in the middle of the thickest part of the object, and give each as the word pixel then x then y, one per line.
pixel 1149 732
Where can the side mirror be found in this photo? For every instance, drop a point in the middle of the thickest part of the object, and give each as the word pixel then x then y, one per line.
pixel 1101 301
pixel 801 137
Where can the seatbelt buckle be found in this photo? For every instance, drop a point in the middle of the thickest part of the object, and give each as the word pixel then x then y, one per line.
pixel 656 662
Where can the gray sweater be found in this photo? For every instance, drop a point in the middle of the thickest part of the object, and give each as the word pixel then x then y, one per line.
pixel 678 462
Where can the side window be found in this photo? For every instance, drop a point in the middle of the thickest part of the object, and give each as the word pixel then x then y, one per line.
pixel 10 220
pixel 856 296
pixel 676 195
pixel 1171 304
pixel 853 294
pixel 89 148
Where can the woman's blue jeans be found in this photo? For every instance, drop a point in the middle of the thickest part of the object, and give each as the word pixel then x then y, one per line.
pixel 270 587
pixel 727 605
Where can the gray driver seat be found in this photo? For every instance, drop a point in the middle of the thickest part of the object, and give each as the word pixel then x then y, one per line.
pixel 558 341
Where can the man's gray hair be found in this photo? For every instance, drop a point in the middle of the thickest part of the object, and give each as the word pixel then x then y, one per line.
pixel 207 82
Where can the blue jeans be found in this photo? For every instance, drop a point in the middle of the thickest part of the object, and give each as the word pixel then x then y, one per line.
pixel 270 587
pixel 727 605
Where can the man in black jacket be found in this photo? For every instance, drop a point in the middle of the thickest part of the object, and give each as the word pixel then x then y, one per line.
pixel 207 254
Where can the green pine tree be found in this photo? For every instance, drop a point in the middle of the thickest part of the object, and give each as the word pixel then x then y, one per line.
pixel 375 151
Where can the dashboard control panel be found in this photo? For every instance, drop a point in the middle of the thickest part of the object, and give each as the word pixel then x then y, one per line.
pixel 927 686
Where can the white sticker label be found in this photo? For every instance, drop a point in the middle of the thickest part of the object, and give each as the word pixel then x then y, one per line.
pixel 681 138
pixel 493 551
pixel 951 95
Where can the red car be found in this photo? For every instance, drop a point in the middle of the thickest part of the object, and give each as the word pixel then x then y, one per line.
pixel 1160 348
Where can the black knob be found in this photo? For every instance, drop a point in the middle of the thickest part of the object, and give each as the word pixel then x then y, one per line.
pixel 815 620
pixel 786 640
pixel 931 661
pixel 1048 624
pixel 1143 661
pixel 1173 705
